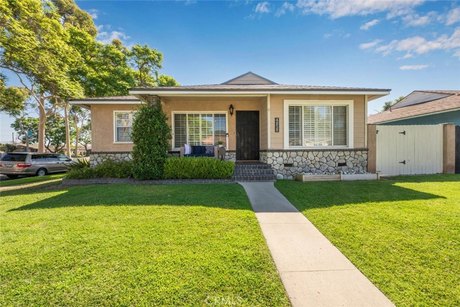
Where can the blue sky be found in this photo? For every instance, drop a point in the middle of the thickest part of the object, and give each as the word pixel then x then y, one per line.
pixel 401 44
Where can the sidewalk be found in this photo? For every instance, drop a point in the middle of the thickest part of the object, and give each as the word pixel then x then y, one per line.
pixel 314 272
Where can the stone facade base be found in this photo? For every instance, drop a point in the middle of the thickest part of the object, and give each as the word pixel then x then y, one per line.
pixel 288 163
pixel 96 158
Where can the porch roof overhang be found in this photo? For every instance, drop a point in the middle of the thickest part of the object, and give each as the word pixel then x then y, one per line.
pixel 254 91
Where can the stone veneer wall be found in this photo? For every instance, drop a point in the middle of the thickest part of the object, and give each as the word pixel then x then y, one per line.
pixel 96 158
pixel 315 161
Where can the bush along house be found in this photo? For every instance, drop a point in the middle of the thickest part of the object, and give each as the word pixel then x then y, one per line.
pixel 293 128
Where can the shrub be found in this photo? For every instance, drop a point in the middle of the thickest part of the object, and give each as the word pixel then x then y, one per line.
pixel 150 136
pixel 114 169
pixel 198 168
pixel 106 169
pixel 79 163
pixel 81 173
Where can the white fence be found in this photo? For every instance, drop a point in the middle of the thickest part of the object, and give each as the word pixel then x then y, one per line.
pixel 408 150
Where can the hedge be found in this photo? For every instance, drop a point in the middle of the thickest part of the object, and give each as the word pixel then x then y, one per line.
pixel 175 168
pixel 198 168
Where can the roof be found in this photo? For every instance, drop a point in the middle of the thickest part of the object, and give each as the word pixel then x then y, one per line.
pixel 128 99
pixel 419 103
pixel 248 84
pixel 252 83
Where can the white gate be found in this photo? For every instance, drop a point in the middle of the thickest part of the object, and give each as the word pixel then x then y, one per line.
pixel 408 150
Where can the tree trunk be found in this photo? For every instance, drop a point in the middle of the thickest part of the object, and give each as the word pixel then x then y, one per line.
pixel 68 150
pixel 41 124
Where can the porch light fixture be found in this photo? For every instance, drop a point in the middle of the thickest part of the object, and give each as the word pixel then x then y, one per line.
pixel 231 109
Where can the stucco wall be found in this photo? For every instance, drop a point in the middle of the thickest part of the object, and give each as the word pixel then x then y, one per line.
pixel 103 125
pixel 102 128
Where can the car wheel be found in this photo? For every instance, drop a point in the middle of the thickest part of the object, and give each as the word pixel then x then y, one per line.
pixel 41 172
pixel 12 176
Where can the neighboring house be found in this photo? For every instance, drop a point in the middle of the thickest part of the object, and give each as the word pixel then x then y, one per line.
pixel 422 108
pixel 294 128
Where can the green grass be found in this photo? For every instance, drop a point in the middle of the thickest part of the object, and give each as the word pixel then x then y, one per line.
pixel 27 180
pixel 134 245
pixel 402 233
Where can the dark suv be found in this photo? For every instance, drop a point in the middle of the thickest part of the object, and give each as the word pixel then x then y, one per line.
pixel 16 164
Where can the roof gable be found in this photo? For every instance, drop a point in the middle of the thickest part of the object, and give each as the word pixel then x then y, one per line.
pixel 249 78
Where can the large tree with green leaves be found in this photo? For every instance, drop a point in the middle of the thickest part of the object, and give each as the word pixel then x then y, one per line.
pixel 12 98
pixel 34 46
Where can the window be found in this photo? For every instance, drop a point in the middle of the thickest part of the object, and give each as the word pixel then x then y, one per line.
pixel 200 129
pixel 123 126
pixel 318 125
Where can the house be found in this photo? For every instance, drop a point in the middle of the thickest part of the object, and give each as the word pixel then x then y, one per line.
pixel 294 128
pixel 422 108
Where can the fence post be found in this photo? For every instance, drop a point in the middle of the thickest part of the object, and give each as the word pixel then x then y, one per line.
pixel 371 148
pixel 448 161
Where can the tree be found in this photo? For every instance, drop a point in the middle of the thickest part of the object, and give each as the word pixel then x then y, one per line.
pixel 12 98
pixel 34 46
pixel 388 104
pixel 164 80
pixel 80 118
pixel 150 136
pixel 146 61
pixel 27 130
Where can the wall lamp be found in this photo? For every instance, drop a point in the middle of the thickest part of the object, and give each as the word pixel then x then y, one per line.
pixel 231 109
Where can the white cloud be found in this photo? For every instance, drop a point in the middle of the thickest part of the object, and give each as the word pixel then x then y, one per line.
pixel 420 45
pixel 415 20
pixel 369 24
pixel 341 8
pixel 453 16
pixel 106 36
pixel 286 7
pixel 370 44
pixel 93 13
pixel 413 67
pixel 262 7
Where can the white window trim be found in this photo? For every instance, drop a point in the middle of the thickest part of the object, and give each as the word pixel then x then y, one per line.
pixel 348 103
pixel 173 141
pixel 115 125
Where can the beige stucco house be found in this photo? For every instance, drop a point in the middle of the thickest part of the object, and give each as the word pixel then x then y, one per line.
pixel 294 128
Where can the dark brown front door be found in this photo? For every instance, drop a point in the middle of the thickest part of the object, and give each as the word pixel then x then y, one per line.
pixel 247 135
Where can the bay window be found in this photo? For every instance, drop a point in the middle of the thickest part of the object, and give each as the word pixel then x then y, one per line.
pixel 318 125
pixel 200 129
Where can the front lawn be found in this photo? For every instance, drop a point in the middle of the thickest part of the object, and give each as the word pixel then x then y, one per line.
pixel 402 233
pixel 27 180
pixel 134 245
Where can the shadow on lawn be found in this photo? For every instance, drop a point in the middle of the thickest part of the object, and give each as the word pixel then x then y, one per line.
pixel 327 194
pixel 225 196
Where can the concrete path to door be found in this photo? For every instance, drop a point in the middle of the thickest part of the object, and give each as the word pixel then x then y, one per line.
pixel 314 272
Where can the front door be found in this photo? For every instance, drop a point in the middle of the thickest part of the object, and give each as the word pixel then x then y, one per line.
pixel 247 135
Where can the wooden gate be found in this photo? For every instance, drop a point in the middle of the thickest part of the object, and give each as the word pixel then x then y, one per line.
pixel 409 150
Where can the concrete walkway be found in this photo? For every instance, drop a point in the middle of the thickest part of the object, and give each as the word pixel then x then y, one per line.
pixel 313 271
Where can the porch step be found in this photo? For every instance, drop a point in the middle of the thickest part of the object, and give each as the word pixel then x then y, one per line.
pixel 253 172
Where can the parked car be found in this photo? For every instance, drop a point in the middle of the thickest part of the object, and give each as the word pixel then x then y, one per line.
pixel 16 164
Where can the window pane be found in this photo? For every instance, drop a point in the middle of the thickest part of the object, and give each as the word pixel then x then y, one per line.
pixel 295 126
pixel 180 130
pixel 317 125
pixel 340 125
pixel 193 127
pixel 309 138
pixel 123 124
pixel 323 129
pixel 220 129
pixel 207 129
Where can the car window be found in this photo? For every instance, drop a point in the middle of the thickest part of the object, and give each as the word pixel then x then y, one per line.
pixel 14 157
pixel 53 158
pixel 39 157
pixel 63 158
